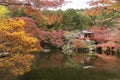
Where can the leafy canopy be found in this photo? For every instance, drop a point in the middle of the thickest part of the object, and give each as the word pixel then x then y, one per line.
pixel 17 44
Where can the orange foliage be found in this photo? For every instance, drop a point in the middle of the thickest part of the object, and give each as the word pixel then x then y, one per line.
pixel 77 43
pixel 39 16
pixel 99 5
pixel 31 12
pixel 52 18
pixel 92 12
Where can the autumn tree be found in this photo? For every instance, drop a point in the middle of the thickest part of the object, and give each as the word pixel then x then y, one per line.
pixel 106 19
pixel 112 5
pixel 15 46
pixel 101 34
pixel 100 5
pixel 115 33
pixel 51 38
pixel 30 26
pixel 32 29
pixel 104 12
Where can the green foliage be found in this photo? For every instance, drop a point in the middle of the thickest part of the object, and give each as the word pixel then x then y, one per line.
pixel 71 18
pixel 106 19
pixel 85 20
pixel 17 13
pixel 76 19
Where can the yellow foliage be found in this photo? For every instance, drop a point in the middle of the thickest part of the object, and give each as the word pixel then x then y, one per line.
pixel 15 42
pixel 14 39
pixel 3 11
pixel 11 25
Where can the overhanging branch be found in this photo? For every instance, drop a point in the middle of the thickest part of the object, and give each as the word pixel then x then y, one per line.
pixel 13 3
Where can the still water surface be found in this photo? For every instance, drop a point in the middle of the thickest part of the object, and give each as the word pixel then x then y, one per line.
pixel 54 66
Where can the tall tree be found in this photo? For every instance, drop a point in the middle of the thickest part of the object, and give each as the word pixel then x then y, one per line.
pixel 15 46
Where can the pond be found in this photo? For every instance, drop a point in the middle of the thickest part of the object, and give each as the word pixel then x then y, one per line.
pixel 55 66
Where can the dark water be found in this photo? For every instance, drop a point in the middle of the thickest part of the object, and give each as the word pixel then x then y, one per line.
pixel 68 74
pixel 49 66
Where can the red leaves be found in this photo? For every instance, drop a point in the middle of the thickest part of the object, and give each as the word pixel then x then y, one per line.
pixel 32 29
pixel 55 38
pixel 101 34
pixel 30 26
pixel 107 37
pixel 43 35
